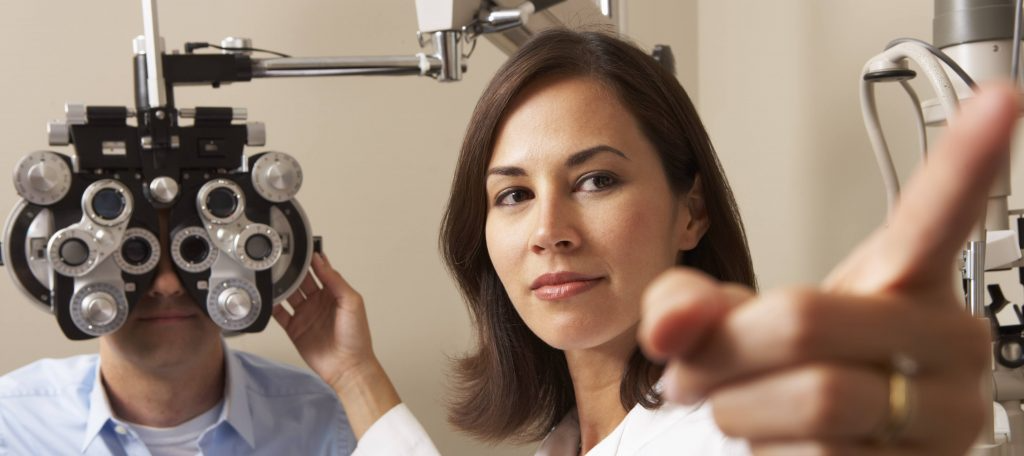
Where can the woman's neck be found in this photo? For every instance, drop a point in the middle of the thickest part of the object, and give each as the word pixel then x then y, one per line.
pixel 597 379
pixel 166 398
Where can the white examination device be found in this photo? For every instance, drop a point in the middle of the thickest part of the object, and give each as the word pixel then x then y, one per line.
pixel 448 24
pixel 974 41
pixel 448 30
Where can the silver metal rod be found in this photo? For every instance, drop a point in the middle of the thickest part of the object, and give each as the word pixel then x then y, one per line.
pixel 975 275
pixel 424 65
pixel 154 55
pixel 1015 65
pixel 448 45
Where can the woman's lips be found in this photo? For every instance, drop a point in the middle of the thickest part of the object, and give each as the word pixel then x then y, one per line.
pixel 565 290
pixel 562 285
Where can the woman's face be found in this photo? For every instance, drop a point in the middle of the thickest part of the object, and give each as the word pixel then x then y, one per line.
pixel 581 216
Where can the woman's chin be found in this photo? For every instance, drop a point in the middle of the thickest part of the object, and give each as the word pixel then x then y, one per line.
pixel 574 336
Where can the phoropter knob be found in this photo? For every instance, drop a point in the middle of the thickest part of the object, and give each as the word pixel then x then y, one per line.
pixel 99 308
pixel 234 304
pixel 42 177
pixel 164 189
pixel 276 176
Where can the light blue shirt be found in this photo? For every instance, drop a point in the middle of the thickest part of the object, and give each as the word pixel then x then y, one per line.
pixel 59 407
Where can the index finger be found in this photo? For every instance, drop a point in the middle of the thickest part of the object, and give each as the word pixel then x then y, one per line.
pixel 946 197
pixel 681 308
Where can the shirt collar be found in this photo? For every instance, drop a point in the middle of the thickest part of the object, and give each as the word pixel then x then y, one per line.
pixel 236 404
pixel 563 439
pixel 99 408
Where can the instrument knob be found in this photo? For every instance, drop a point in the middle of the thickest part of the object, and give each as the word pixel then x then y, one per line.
pixel 235 303
pixel 42 178
pixel 164 189
pixel 277 176
pixel 99 309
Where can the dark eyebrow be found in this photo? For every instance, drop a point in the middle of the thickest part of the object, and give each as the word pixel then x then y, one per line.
pixel 582 156
pixel 575 159
pixel 505 171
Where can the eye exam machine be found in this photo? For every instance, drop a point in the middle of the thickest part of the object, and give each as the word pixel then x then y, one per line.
pixel 83 242
pixel 973 41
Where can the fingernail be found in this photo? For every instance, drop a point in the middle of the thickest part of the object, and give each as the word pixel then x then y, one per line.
pixel 318 258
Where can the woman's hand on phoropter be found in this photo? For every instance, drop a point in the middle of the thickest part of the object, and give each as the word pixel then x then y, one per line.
pixel 880 359
pixel 329 328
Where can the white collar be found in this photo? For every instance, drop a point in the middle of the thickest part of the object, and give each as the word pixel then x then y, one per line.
pixel 640 426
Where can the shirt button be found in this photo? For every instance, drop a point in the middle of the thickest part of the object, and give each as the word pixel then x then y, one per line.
pixel 120 430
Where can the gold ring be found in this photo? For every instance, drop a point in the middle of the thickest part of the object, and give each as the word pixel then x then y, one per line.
pixel 899 409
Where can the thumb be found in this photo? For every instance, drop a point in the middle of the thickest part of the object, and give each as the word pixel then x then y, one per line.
pixel 681 308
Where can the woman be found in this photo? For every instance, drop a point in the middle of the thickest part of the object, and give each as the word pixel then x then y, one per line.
pixel 586 174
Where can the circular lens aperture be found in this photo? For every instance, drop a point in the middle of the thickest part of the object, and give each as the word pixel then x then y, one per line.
pixel 108 203
pixel 222 202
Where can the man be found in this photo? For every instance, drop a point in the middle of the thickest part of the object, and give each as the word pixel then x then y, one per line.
pixel 166 384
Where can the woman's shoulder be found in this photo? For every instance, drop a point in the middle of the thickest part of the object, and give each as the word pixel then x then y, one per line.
pixel 679 429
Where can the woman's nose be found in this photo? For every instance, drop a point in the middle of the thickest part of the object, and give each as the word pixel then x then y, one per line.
pixel 555 229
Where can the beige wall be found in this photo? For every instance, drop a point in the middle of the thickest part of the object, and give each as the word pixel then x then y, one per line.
pixel 779 93
pixel 776 83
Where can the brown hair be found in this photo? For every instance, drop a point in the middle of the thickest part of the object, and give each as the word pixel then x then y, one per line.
pixel 515 386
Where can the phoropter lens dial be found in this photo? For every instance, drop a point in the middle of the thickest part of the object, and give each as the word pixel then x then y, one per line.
pixel 72 252
pixel 192 250
pixel 220 201
pixel 107 202
pixel 139 252
pixel 258 247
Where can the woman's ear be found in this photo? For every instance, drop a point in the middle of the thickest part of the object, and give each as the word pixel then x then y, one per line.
pixel 693 216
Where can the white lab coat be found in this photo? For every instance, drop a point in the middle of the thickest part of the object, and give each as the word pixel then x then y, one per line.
pixel 672 429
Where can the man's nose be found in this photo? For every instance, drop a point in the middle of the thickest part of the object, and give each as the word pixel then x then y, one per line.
pixel 166 283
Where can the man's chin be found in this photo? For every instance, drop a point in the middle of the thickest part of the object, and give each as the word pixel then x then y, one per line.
pixel 165 341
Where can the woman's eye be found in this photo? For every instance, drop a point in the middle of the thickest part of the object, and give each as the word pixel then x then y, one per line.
pixel 513 196
pixel 596 182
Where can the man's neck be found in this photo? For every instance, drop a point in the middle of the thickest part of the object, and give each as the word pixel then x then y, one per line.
pixel 597 379
pixel 165 396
